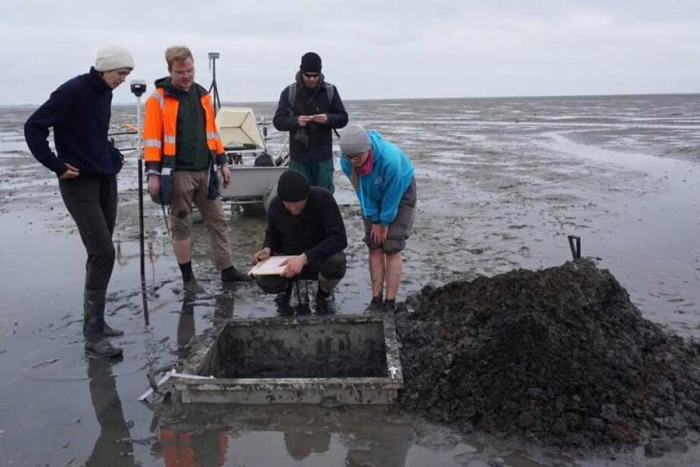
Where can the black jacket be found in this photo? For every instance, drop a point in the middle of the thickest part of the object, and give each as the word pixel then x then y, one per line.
pixel 314 142
pixel 318 231
pixel 79 112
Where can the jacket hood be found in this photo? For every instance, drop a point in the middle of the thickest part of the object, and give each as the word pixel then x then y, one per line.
pixel 167 84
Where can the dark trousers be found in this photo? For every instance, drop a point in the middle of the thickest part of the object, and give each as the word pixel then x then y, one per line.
pixel 92 202
pixel 332 269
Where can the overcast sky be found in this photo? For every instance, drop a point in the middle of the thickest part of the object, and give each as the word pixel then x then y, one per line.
pixel 370 49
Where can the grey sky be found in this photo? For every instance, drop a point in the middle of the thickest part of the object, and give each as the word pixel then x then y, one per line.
pixel 370 49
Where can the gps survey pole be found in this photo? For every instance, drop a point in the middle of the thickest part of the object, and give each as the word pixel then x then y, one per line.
pixel 214 88
pixel 138 87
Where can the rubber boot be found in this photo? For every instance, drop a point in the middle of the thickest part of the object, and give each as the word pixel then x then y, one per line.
pixel 302 307
pixel 234 275
pixel 389 306
pixel 99 296
pixel 325 303
pixel 376 305
pixel 282 300
pixel 96 343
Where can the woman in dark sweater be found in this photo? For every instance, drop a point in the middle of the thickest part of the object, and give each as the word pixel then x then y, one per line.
pixel 86 165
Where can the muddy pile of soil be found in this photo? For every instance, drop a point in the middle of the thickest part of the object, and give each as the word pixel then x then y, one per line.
pixel 560 356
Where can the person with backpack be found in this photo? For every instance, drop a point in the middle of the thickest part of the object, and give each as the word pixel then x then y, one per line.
pixel 310 109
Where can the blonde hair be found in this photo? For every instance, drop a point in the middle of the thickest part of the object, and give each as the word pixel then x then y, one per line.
pixel 177 53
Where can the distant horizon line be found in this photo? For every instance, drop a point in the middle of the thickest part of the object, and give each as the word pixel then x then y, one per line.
pixel 440 98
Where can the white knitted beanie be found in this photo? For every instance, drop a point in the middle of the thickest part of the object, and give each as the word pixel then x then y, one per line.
pixel 113 57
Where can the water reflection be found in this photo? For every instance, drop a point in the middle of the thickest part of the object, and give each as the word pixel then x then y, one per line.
pixel 182 447
pixel 300 444
pixel 113 446
pixel 185 324
pixel 311 435
pixel 186 328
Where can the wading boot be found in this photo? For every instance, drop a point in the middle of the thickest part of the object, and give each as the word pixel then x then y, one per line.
pixel 234 275
pixel 282 300
pixel 389 306
pixel 98 296
pixel 325 303
pixel 302 307
pixel 376 305
pixel 96 343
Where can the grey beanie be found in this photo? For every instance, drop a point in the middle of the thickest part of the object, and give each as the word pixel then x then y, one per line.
pixel 113 57
pixel 354 140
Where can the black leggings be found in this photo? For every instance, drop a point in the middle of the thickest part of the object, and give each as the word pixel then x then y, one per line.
pixel 92 202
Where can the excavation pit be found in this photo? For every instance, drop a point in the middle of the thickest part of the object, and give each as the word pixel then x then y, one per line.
pixel 350 359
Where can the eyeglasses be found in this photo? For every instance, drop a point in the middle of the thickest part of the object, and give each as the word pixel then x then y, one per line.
pixel 355 156
pixel 311 75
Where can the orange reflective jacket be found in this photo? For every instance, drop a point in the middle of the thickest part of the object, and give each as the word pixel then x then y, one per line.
pixel 181 449
pixel 160 129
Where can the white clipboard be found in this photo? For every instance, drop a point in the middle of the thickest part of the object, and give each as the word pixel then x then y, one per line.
pixel 270 266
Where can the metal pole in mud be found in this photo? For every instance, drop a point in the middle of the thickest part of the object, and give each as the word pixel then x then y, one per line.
pixel 138 87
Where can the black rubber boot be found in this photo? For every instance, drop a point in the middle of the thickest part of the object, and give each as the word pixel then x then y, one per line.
pixel 99 297
pixel 325 304
pixel 389 306
pixel 376 305
pixel 96 343
pixel 282 300
pixel 234 275
pixel 109 331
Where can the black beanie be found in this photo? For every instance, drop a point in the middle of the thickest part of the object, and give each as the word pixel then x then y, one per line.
pixel 293 186
pixel 310 62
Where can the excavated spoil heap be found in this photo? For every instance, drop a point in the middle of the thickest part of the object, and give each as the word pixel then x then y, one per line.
pixel 559 355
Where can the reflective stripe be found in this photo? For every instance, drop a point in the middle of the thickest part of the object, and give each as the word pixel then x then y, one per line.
pixel 212 135
pixel 166 171
pixel 159 97
pixel 152 143
pixel 169 139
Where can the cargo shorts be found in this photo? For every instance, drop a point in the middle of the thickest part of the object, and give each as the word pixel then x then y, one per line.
pixel 400 228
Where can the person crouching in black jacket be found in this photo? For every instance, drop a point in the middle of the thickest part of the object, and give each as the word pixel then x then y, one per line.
pixel 304 222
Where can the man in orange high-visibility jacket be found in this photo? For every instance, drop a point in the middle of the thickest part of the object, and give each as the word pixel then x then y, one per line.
pixel 183 150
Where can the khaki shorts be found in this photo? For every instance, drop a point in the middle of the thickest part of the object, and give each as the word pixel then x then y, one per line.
pixel 400 229
pixel 190 187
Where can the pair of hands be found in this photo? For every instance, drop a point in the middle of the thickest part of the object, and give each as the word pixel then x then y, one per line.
pixel 306 119
pixel 293 265
pixel 154 180
pixel 378 233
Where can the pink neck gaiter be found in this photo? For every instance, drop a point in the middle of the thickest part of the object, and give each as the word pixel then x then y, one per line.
pixel 366 168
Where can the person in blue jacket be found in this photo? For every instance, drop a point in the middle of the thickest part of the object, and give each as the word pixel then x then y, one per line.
pixel 382 176
pixel 86 165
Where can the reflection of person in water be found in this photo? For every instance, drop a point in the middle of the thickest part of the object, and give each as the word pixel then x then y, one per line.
pixel 186 325
pixel 384 444
pixel 182 448
pixel 300 444
pixel 112 446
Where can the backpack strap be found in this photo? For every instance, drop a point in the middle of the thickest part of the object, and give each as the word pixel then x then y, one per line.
pixel 330 90
pixel 292 95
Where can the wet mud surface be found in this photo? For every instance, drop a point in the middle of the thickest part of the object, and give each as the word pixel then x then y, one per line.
pixel 501 184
